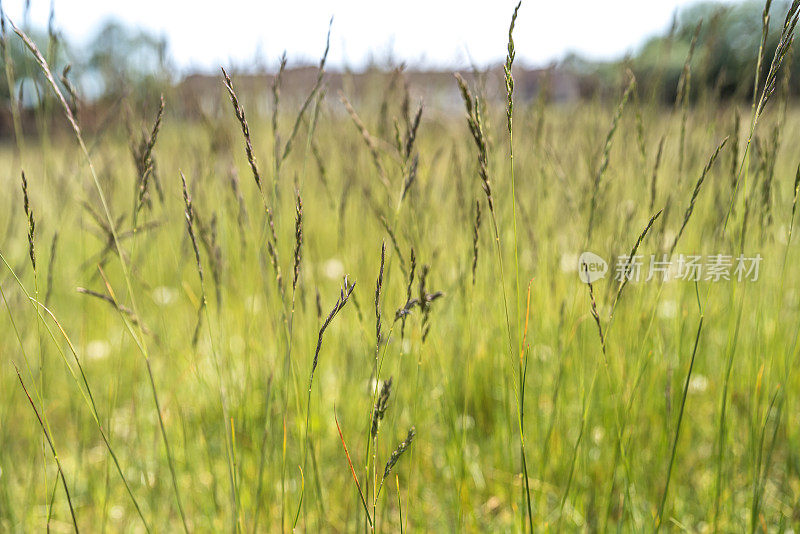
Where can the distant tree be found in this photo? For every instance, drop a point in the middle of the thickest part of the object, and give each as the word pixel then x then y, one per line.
pixel 27 81
pixel 725 55
pixel 126 61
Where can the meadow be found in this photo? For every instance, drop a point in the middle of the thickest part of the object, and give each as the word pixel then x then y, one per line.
pixel 356 315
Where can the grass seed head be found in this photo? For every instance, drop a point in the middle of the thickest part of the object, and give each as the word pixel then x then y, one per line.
pixel 399 451
pixel 31 221
pixel 380 406
pixel 239 112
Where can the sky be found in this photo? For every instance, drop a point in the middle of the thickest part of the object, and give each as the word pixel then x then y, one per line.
pixel 425 33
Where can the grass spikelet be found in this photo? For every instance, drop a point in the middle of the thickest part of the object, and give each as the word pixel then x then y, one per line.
pixel 784 45
pixel 322 171
pixel 684 93
pixel 380 406
pixel 640 130
pixel 272 250
pixel 765 18
pixel 389 91
pixel 475 123
pixel 759 104
pixel 475 239
pixel 242 217
pixel 696 192
pixel 203 310
pixel 411 135
pixel 208 238
pixel 71 91
pixel 378 289
pixel 114 304
pixel 298 240
pixel 189 216
pixel 143 157
pixel 411 176
pixel 314 90
pixel 276 98
pixel 405 145
pixel 49 76
pixel 393 239
pixel 398 453
pixel 507 71
pixel 31 221
pixel 317 303
pixel 369 140
pixel 626 274
pixel 654 175
pixel 737 126
pixel 768 174
pixel 595 314
pixel 606 155
pixel 423 301
pixel 405 310
pixel 344 295
pixel 239 112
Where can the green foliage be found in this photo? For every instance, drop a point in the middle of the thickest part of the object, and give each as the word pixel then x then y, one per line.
pixel 727 50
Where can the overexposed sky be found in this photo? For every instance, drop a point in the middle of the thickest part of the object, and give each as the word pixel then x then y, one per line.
pixel 445 33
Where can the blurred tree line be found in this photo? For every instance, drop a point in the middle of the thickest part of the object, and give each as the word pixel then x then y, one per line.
pixel 117 62
pixel 725 55
pixel 723 61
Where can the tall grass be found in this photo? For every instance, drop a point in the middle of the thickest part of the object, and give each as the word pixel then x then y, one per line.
pixel 463 391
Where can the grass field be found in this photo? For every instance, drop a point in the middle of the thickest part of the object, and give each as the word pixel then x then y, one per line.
pixel 195 355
